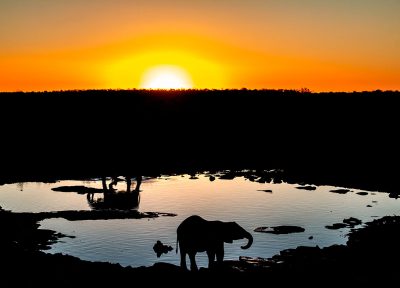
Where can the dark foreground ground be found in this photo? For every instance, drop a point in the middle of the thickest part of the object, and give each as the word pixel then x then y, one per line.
pixel 369 259
pixel 339 139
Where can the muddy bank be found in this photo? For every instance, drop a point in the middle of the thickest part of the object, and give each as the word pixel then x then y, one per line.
pixel 73 215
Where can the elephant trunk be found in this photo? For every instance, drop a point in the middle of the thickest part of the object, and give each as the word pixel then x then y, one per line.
pixel 250 237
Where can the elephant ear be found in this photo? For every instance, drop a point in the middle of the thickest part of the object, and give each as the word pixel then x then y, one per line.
pixel 230 231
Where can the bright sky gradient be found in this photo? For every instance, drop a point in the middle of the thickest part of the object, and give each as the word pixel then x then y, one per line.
pixel 338 45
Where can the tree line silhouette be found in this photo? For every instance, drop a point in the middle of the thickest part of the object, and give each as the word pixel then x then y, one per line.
pixel 335 136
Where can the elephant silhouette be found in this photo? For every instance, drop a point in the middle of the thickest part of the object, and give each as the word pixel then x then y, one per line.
pixel 196 234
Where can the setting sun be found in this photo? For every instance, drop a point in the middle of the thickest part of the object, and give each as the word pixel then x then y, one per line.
pixel 166 77
pixel 335 46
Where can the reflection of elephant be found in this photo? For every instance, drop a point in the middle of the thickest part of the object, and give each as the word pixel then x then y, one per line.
pixel 114 199
pixel 198 235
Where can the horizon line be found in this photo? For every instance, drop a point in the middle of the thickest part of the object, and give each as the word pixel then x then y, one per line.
pixel 303 90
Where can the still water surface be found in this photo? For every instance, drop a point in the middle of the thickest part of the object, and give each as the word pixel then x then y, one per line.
pixel 130 241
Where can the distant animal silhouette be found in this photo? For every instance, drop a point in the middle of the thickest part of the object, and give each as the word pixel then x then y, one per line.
pixel 196 234
pixel 112 199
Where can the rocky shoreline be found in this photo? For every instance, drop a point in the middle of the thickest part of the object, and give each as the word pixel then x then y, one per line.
pixel 368 258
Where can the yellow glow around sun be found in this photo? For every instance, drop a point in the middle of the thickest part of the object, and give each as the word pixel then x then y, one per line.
pixel 164 69
pixel 166 77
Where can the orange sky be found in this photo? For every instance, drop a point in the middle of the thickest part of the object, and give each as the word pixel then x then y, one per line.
pixel 323 45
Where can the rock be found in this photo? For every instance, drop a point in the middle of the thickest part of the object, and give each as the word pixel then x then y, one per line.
pixel 228 176
pixel 78 189
pixel 79 215
pixel 347 223
pixel 352 221
pixel 212 178
pixel 252 178
pixel 369 205
pixel 336 226
pixel 340 191
pixel 160 248
pixel 253 262
pixel 310 188
pixel 362 193
pixel 266 190
pixel 311 237
pixel 285 229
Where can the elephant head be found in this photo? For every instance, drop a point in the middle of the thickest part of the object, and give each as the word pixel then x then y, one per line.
pixel 232 231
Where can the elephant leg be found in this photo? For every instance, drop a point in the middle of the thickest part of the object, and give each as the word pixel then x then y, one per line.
pixel 193 265
pixel 211 258
pixel 220 253
pixel 183 260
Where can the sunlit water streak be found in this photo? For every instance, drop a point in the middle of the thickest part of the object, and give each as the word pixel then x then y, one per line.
pixel 130 241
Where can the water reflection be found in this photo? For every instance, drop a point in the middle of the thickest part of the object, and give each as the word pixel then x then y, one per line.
pixel 250 200
pixel 114 195
pixel 114 198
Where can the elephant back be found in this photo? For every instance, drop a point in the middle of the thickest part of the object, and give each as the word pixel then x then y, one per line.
pixel 191 227
pixel 191 222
